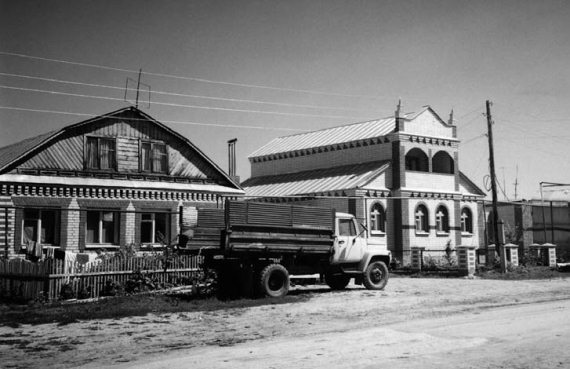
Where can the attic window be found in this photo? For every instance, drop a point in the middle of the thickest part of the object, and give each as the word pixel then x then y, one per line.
pixel 100 153
pixel 153 157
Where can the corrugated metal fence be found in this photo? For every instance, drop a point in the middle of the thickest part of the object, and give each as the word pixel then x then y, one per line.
pixel 53 279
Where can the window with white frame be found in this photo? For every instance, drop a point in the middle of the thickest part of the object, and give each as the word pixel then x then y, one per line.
pixel 466 221
pixel 153 157
pixel 377 219
pixel 154 228
pixel 422 219
pixel 442 220
pixel 41 226
pixel 102 227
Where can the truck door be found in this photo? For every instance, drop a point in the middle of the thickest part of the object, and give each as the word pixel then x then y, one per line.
pixel 349 248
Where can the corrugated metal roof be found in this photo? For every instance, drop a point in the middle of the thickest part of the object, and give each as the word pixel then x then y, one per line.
pixel 331 136
pixel 469 186
pixel 14 151
pixel 315 181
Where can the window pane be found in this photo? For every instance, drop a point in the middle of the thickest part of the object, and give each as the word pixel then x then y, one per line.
pixel 50 227
pixel 92 154
pixel 159 162
pixel 146 232
pixel 92 235
pixel 108 227
pixel 145 157
pixel 30 232
pixel 161 228
pixel 346 227
pixel 107 153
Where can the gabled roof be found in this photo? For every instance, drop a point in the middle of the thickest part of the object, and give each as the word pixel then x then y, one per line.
pixel 20 151
pixel 337 135
pixel 10 153
pixel 340 178
pixel 469 186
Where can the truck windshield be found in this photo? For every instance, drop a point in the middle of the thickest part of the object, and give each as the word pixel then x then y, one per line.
pixel 346 227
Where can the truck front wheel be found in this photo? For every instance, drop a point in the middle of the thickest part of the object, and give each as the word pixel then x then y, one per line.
pixel 375 276
pixel 274 280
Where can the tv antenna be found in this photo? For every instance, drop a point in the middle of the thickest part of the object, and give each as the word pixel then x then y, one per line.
pixel 137 90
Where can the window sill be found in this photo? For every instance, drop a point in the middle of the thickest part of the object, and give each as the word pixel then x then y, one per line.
pixel 147 246
pixel 442 234
pixel 466 234
pixel 422 234
pixel 101 245
pixel 377 234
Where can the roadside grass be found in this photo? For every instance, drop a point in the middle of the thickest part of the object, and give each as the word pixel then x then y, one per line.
pixel 14 315
pixel 520 272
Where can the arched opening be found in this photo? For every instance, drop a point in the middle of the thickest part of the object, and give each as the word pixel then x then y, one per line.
pixel 417 160
pixel 422 219
pixel 442 219
pixel 442 162
pixel 466 221
pixel 377 219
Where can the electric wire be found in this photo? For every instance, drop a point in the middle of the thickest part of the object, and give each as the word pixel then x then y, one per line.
pixel 166 93
pixel 162 121
pixel 195 79
pixel 51 92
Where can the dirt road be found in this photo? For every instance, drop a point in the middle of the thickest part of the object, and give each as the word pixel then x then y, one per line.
pixel 414 323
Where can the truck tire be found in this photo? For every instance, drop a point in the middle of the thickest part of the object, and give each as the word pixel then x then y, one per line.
pixel 375 276
pixel 337 281
pixel 274 280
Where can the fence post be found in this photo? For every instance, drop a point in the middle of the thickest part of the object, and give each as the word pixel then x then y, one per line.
pixel 550 257
pixel 417 258
pixel 466 259
pixel 512 253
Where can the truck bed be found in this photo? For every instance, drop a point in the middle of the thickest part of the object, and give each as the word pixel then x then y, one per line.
pixel 263 228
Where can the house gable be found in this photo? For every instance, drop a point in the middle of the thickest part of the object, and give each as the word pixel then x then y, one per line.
pixel 65 152
pixel 428 123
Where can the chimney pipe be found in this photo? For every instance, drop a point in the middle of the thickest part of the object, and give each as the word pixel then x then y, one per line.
pixel 232 159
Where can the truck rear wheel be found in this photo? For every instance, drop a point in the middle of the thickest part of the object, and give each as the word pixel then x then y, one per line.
pixel 337 281
pixel 274 280
pixel 375 276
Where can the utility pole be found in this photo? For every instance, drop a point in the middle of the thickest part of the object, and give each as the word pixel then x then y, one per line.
pixel 494 190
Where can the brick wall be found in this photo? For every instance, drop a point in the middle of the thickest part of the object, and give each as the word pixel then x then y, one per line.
pixel 7 226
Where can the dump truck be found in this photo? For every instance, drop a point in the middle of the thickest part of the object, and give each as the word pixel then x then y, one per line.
pixel 255 247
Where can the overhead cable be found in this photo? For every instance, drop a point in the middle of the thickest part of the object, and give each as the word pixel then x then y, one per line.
pixel 179 94
pixel 181 105
pixel 195 79
pixel 162 121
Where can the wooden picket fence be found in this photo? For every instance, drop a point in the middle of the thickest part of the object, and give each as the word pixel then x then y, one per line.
pixel 22 279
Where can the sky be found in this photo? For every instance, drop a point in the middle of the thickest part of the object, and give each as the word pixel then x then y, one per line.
pixel 301 65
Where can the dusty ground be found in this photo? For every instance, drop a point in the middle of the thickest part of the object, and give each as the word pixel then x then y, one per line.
pixel 414 323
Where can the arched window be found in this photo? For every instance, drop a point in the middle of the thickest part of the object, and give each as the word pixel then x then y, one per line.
pixel 442 162
pixel 377 219
pixel 417 160
pixel 442 219
pixel 422 219
pixel 466 221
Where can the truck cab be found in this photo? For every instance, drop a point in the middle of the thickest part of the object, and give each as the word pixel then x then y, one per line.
pixel 356 256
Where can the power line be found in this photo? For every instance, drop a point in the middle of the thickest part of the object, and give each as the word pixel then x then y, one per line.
pixel 162 121
pixel 178 94
pixel 195 79
pixel 181 105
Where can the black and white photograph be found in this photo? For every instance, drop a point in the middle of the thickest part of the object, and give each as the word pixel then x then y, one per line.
pixel 280 184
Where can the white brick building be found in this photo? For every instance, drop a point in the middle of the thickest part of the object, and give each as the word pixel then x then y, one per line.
pixel 399 175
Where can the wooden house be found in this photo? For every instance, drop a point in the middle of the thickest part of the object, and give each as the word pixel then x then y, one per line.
pixel 118 179
pixel 399 175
